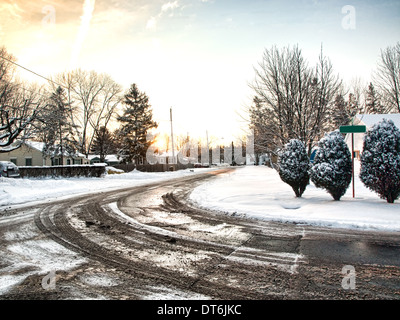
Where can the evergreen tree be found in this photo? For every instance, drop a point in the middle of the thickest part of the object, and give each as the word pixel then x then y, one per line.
pixel 104 143
pixel 342 111
pixel 294 166
pixel 340 114
pixel 353 104
pixel 332 167
pixel 380 160
pixel 260 123
pixel 56 129
pixel 136 122
pixel 372 104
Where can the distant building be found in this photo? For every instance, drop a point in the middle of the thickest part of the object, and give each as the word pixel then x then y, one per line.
pixel 110 160
pixel 368 120
pixel 31 154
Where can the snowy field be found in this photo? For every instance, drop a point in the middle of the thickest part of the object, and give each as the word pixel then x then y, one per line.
pixel 258 192
pixel 22 191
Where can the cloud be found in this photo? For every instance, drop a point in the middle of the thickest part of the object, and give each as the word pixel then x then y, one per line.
pixel 169 6
pixel 88 8
pixel 166 7
pixel 12 9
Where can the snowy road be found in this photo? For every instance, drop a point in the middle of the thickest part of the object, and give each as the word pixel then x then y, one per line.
pixel 149 242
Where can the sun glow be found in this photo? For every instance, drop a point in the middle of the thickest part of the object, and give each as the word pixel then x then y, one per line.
pixel 162 143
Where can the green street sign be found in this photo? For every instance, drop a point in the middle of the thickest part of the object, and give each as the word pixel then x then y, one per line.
pixel 353 129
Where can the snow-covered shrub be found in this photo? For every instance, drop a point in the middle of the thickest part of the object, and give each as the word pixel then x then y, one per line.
pixel 380 160
pixel 332 167
pixel 294 166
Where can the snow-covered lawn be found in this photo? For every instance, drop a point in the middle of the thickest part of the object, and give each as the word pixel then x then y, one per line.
pixel 21 191
pixel 258 192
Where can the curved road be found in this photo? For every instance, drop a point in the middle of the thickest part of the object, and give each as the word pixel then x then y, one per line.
pixel 150 242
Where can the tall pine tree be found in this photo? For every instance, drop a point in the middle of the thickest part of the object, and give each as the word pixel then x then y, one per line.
pixel 136 121
pixel 340 114
pixel 56 128
pixel 372 103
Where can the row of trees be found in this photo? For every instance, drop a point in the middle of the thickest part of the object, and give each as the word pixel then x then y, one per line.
pixel 66 128
pixel 332 165
pixel 73 113
pixel 331 169
pixel 296 101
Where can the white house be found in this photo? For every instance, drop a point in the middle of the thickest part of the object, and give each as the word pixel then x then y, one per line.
pixel 31 154
pixel 368 120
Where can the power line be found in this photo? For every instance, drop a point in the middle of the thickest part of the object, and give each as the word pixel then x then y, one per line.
pixel 37 74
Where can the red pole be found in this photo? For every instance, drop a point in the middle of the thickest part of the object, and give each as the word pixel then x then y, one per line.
pixel 352 161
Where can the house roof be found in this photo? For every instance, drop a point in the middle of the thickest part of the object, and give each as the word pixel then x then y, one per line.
pixel 370 119
pixel 37 145
pixel 110 157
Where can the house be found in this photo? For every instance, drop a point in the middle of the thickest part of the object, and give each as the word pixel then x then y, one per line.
pixel 169 157
pixel 31 154
pixel 368 120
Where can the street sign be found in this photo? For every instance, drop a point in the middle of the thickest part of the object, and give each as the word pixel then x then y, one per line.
pixel 353 129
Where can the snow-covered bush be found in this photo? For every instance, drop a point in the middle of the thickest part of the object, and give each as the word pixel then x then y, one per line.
pixel 112 170
pixel 294 166
pixel 332 167
pixel 380 160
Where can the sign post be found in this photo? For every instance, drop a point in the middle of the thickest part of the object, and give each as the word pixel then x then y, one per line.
pixel 353 130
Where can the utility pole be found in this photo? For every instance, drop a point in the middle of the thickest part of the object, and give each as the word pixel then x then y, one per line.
pixel 208 150
pixel 172 137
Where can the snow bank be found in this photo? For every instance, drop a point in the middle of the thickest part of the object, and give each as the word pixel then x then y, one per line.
pixel 258 192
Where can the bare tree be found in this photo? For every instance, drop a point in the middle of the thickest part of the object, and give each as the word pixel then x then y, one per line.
pixel 293 98
pixel 387 77
pixel 20 105
pixel 108 102
pixel 95 97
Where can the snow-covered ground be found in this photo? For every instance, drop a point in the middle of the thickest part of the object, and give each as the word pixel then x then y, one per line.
pixel 252 191
pixel 21 191
pixel 258 192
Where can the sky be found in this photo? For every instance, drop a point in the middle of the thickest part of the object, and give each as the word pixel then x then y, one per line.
pixel 194 56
